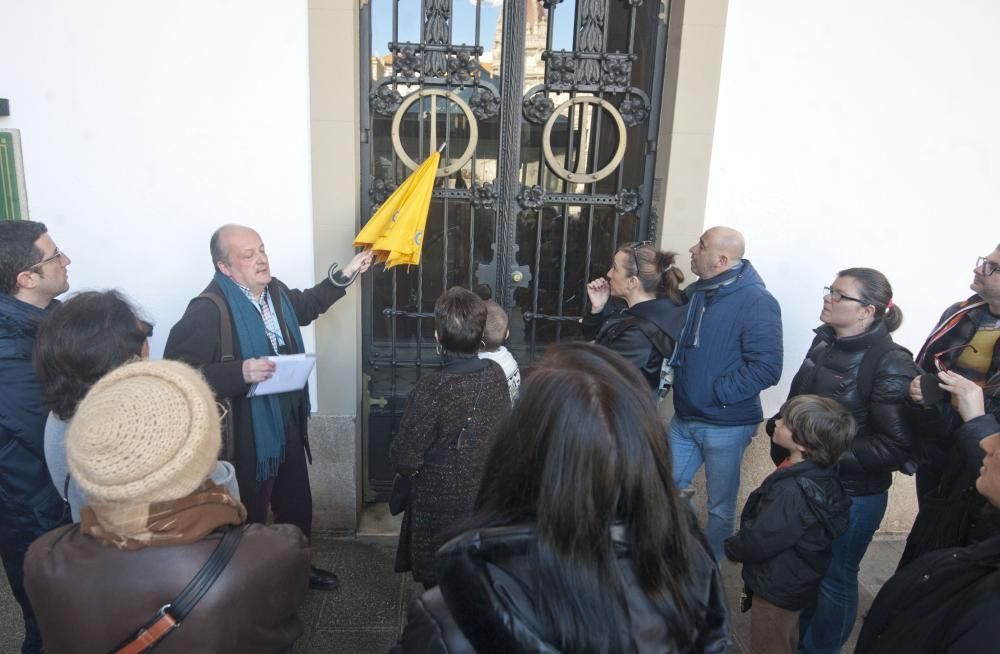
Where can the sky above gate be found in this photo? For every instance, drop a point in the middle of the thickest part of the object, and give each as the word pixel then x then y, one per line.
pixel 463 23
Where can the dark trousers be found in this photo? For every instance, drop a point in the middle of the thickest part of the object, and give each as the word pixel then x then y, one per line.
pixel 13 564
pixel 287 493
pixel 16 535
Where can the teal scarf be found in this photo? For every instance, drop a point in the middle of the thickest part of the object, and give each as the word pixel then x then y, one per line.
pixel 265 410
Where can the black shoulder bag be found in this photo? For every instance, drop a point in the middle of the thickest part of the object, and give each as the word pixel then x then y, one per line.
pixel 402 485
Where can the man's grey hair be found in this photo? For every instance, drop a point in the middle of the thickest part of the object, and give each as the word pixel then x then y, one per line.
pixel 215 246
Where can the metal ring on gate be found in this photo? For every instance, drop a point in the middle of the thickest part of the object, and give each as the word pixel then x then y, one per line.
pixel 581 177
pixel 397 118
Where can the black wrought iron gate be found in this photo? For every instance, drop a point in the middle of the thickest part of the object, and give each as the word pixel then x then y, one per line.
pixel 548 112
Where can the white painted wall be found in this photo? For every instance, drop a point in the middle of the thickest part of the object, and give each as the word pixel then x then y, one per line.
pixel 859 133
pixel 145 125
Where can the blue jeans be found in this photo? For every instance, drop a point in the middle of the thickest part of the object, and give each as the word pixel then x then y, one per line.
pixel 825 628
pixel 721 449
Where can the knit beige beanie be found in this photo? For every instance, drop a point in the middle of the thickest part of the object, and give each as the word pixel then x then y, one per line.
pixel 146 432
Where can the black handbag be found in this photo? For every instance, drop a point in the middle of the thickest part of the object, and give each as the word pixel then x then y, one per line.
pixel 399 496
pixel 402 485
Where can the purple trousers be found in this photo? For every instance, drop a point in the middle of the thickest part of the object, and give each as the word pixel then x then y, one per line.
pixel 287 493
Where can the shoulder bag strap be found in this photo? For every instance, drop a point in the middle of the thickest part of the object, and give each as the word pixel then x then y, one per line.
pixel 226 346
pixel 225 325
pixel 170 616
pixel 652 332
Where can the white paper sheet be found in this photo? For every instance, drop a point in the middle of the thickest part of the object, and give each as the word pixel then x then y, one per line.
pixel 291 374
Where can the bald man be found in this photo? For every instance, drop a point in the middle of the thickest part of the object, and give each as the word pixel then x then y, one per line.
pixel 728 352
pixel 271 444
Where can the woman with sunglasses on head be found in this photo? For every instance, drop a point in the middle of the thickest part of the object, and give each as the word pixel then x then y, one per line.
pixel 579 541
pixel 645 329
pixel 854 360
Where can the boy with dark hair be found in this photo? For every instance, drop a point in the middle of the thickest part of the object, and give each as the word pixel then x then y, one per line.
pixel 494 335
pixel 789 524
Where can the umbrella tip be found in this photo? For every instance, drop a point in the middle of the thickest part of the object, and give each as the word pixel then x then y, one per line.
pixel 442 146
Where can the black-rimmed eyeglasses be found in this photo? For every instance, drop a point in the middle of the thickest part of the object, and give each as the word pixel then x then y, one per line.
pixel 987 266
pixel 943 367
pixel 837 296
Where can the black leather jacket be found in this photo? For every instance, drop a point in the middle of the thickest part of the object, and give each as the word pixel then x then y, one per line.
pixel 617 329
pixel 884 441
pixel 487 584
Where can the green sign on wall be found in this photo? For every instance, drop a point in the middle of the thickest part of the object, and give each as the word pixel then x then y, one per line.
pixel 13 197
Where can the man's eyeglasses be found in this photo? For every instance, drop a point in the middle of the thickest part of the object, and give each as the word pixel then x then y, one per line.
pixel 837 296
pixel 37 267
pixel 986 266
pixel 943 367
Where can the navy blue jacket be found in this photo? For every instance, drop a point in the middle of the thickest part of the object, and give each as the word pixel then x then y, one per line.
pixel 737 353
pixel 29 503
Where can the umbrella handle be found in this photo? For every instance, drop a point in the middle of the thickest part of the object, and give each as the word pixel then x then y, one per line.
pixel 337 278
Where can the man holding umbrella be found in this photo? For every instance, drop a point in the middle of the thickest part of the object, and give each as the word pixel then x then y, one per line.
pixel 271 444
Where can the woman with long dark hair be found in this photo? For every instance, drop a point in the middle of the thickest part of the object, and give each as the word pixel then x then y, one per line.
pixel 579 541
pixel 645 329
pixel 448 426
pixel 853 360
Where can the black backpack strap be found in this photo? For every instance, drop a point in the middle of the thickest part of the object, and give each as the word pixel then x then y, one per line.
pixel 661 342
pixel 225 325
pixel 648 328
pixel 869 364
pixel 170 615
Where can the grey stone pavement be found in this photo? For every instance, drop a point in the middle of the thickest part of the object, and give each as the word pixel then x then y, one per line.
pixel 366 613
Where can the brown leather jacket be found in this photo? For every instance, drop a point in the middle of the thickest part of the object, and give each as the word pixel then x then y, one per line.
pixel 89 597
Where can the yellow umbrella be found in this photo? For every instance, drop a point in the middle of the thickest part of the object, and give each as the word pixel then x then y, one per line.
pixel 396 231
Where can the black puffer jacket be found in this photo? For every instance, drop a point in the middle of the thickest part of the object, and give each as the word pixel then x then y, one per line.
pixel 485 601
pixel 884 441
pixel 618 329
pixel 947 601
pixel 786 531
